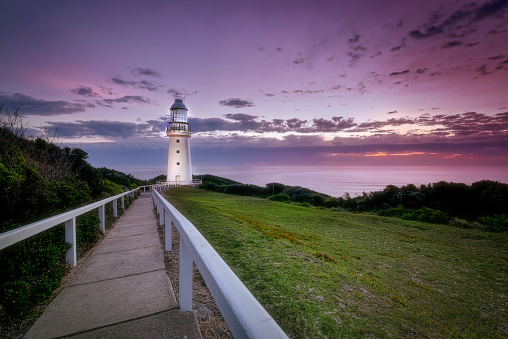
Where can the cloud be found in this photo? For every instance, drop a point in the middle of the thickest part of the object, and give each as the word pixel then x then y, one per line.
pixel 127 99
pixel 31 106
pixel 143 84
pixel 84 91
pixel 399 73
pixel 236 103
pixel 470 123
pixel 453 43
pixel 335 124
pixel 123 82
pixel 146 72
pixel 240 116
pixel 356 49
pixel 107 128
pixel 460 19
pixel 152 87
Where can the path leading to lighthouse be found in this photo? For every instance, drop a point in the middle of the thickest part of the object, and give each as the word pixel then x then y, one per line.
pixel 122 291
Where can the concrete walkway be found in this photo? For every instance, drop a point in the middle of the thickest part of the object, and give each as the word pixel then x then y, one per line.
pixel 122 291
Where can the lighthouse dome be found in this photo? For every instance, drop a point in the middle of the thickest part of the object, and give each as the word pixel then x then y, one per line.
pixel 178 104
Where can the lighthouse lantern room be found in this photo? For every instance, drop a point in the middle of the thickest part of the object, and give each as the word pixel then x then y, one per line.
pixel 179 132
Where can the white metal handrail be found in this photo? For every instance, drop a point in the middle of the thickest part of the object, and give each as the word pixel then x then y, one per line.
pixel 69 218
pixel 244 315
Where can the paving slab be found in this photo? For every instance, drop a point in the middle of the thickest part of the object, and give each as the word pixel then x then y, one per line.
pixel 84 307
pixel 109 245
pixel 165 325
pixel 119 264
pixel 131 230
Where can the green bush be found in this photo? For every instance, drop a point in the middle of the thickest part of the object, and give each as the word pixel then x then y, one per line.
pixel 495 223
pixel 31 270
pixel 111 188
pixel 280 197
pixel 87 228
pixel 433 216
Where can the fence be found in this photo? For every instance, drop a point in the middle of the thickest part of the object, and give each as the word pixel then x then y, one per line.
pixel 69 218
pixel 244 315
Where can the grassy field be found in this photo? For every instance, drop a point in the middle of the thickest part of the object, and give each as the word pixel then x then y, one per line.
pixel 323 273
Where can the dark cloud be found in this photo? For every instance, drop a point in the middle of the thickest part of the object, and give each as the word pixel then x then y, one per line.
pixel 460 19
pixel 356 49
pixel 146 72
pixel 399 73
pixel 176 93
pixel 148 85
pixel 84 91
pixel 482 70
pixel 470 123
pixel 143 84
pixel 453 43
pixel 335 124
pixel 372 126
pixel 106 90
pixel 31 106
pixel 106 128
pixel 240 116
pixel 295 123
pixel 236 103
pixel 127 99
pixel 123 82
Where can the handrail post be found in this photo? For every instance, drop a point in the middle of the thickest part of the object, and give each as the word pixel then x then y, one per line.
pixel 123 201
pixel 115 208
pixel 161 216
pixel 102 219
pixel 70 237
pixel 168 241
pixel 185 285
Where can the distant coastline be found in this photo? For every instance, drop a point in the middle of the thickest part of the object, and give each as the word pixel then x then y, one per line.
pixel 336 181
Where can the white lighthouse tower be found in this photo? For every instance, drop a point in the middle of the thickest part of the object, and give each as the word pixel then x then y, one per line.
pixel 179 132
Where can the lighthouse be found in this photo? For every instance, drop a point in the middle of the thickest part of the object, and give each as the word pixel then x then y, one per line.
pixel 179 132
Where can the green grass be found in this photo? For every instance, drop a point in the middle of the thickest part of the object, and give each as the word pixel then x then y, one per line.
pixel 338 274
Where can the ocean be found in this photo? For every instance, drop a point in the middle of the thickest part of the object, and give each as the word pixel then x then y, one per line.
pixel 336 181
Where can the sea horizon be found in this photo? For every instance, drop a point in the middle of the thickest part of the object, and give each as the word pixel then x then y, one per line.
pixel 339 180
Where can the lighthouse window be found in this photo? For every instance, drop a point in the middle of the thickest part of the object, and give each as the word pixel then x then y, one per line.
pixel 177 141
pixel 178 163
pixel 177 151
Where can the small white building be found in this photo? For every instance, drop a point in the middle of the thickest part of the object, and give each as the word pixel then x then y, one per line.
pixel 179 132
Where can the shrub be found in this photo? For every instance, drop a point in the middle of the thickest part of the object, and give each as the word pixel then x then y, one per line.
pixel 280 197
pixel 433 216
pixel 496 223
pixel 275 188
pixel 87 228
pixel 31 270
pixel 211 186
pixel 456 222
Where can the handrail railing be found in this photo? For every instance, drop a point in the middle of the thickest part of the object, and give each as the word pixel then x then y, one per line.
pixel 244 315
pixel 69 218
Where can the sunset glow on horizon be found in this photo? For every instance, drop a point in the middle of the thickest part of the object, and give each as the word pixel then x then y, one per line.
pixel 275 83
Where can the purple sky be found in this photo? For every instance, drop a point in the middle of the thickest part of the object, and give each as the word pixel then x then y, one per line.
pixel 326 82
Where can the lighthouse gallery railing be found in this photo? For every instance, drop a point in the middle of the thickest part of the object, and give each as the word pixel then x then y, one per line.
pixel 244 315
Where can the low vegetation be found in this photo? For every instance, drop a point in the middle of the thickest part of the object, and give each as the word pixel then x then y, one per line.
pixel 482 205
pixel 324 272
pixel 39 178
